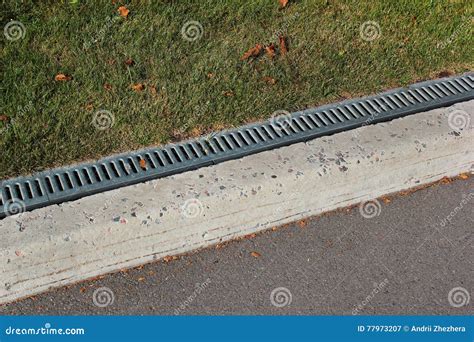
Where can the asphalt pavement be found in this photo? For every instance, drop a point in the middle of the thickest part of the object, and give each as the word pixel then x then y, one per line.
pixel 408 254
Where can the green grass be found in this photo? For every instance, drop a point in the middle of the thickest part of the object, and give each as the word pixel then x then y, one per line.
pixel 50 122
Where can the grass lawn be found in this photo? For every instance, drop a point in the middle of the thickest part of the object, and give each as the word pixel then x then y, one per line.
pixel 186 87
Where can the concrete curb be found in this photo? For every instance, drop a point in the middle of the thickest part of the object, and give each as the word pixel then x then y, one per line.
pixel 62 244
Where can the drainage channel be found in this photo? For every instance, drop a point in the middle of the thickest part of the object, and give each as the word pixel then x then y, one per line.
pixel 73 182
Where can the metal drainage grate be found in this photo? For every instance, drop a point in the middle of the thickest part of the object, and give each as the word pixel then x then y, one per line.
pixel 70 183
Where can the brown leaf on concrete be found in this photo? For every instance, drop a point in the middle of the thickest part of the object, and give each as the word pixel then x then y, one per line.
pixel 256 254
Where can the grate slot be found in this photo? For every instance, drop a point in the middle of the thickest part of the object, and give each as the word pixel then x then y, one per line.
pixel 38 188
pixel 96 174
pixel 168 157
pixel 114 169
pixel 105 171
pixel 18 192
pixel 67 180
pixel 158 158
pixel 443 90
pixel 435 91
pixel 184 152
pixel 306 122
pixel 337 115
pixel 401 100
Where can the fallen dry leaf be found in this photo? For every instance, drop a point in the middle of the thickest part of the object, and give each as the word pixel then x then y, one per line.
pixel 142 163
pixel 196 132
pixel 386 200
pixel 107 86
pixel 283 3
pixel 445 73
pixel 62 77
pixel 269 80
pixel 89 107
pixel 141 279
pixel 256 254
pixel 253 52
pixel 82 289
pixel 270 50
pixel 302 223
pixel 130 62
pixel 169 258
pixel 138 86
pixel 4 118
pixel 283 47
pixel 123 11
pixel 228 93
pixel 153 90
pixel 464 176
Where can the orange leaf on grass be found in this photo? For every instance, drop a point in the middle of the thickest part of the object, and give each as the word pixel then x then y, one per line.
pixel 138 86
pixel 62 77
pixel 269 80
pixel 4 118
pixel 270 51
pixel 123 11
pixel 107 86
pixel 253 52
pixel 130 62
pixel 283 3
pixel 283 47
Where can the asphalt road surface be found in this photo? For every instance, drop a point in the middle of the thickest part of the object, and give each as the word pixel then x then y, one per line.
pixel 414 256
